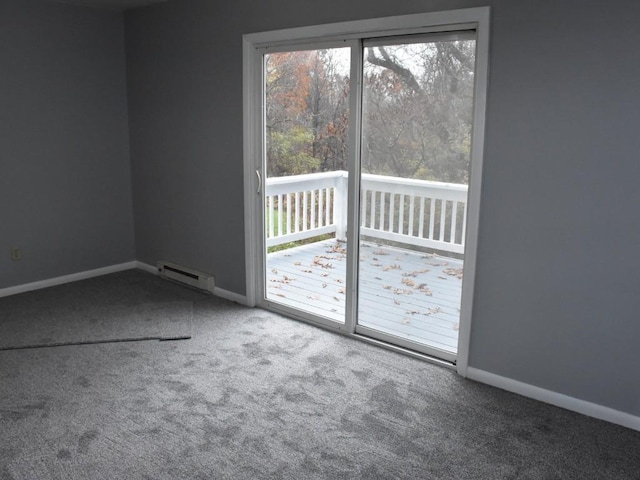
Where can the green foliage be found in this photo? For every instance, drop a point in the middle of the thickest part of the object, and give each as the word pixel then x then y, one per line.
pixel 289 152
pixel 298 243
pixel 306 111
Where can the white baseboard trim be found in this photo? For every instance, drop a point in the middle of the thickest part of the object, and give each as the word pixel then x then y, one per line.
pixel 555 398
pixel 146 267
pixel 52 282
pixel 234 297
pixel 217 291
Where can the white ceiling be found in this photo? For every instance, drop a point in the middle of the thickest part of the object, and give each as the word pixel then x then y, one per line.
pixel 111 4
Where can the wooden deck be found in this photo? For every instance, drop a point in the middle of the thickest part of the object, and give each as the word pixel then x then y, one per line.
pixel 411 295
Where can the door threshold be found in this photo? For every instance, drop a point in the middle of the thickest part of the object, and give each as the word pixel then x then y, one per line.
pixel 363 338
pixel 405 351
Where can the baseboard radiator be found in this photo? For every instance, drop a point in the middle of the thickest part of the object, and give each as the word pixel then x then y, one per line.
pixel 186 276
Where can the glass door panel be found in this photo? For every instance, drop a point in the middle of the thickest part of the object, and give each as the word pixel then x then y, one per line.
pixel 306 108
pixel 417 103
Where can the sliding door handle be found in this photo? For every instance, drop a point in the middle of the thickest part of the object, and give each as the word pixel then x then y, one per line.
pixel 259 191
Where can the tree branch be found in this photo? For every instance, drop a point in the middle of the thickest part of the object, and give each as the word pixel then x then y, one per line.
pixel 387 62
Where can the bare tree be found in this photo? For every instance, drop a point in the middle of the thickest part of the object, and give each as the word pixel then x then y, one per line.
pixel 417 110
pixel 418 101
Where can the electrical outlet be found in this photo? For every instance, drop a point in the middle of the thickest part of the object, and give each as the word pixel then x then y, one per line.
pixel 16 254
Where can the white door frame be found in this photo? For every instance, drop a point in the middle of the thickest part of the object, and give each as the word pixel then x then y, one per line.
pixel 475 18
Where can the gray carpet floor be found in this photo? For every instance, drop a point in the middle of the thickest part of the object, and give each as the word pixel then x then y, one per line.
pixel 93 312
pixel 255 395
pixel 28 321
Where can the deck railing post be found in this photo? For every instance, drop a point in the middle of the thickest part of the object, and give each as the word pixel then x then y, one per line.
pixel 339 207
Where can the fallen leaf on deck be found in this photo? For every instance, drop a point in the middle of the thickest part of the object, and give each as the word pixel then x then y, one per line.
pixel 454 272
pixel 400 291
pixel 415 273
pixel 337 249
pixel 408 282
pixel 317 261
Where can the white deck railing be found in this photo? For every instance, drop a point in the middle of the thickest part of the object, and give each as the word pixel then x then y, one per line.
pixel 414 212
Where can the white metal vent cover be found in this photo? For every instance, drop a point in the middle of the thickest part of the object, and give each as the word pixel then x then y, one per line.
pixel 188 276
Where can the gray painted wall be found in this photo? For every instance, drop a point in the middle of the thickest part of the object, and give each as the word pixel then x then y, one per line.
pixel 558 274
pixel 65 179
pixel 558 296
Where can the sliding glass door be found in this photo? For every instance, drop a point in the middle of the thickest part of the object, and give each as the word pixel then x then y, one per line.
pixel 417 103
pixel 306 98
pixel 364 183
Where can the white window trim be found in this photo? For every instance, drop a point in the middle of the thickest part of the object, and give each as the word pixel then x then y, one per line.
pixel 476 18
